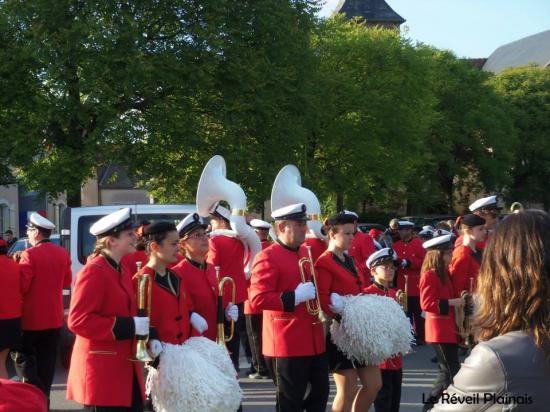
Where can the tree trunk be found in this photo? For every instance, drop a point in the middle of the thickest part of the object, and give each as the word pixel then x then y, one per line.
pixel 74 198
pixel 339 201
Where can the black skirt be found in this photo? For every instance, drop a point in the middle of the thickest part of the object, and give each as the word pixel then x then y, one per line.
pixel 10 333
pixel 337 361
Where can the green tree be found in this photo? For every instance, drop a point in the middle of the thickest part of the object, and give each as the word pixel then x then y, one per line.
pixel 83 78
pixel 371 110
pixel 252 108
pixel 527 89
pixel 156 86
pixel 470 144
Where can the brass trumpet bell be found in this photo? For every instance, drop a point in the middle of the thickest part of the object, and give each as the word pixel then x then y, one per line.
pixel 313 306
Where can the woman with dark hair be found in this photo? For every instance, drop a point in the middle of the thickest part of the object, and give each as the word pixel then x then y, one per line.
pixel 103 376
pixel 172 311
pixel 511 364
pixel 10 307
pixel 437 300
pixel 337 276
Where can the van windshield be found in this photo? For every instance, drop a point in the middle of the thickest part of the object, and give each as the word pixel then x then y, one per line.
pixel 86 241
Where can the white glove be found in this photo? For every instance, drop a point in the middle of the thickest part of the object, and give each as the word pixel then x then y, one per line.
pixel 336 303
pixel 141 324
pixel 304 291
pixel 155 348
pixel 232 312
pixel 198 322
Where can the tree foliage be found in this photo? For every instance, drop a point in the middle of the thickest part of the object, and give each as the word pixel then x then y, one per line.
pixel 470 143
pixel 159 87
pixel 371 109
pixel 527 89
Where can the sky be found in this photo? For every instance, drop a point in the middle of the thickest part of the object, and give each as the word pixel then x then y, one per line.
pixel 470 28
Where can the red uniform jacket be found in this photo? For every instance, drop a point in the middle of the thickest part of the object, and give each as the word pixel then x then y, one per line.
pixel 288 330
pixel 129 261
pixel 169 313
pixel 361 248
pixel 228 253
pixel 248 309
pixel 45 272
pixel 440 317
pixel 101 370
pixel 464 265
pixel 396 362
pixel 202 286
pixel 11 301
pixel 333 276
pixel 414 253
pixel 318 247
pixel 21 397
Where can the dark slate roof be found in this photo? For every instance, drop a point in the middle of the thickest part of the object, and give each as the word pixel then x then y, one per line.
pixel 113 177
pixel 532 49
pixel 371 10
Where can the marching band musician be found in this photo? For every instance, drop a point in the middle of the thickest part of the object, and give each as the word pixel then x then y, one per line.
pixel 261 227
pixel 337 276
pixel 45 272
pixel 487 208
pixel 172 312
pixel 361 248
pixel 227 252
pixel 198 275
pixel 10 307
pixel 382 270
pixel 467 256
pixel 437 297
pixel 293 339
pixel 102 315
pixel 410 255
pixel 253 316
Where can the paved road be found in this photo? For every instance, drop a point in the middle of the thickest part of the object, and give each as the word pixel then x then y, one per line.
pixel 259 396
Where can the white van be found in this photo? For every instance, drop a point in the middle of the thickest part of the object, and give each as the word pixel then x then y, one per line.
pixel 76 222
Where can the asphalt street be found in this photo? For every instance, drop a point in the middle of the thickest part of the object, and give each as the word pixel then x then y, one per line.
pixel 259 395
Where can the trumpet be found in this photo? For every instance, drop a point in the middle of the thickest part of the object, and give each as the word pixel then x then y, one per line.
pixel 468 338
pixel 144 310
pixel 401 296
pixel 463 316
pixel 221 339
pixel 313 306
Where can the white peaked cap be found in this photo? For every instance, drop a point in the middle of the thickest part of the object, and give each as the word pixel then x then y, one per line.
pixel 36 220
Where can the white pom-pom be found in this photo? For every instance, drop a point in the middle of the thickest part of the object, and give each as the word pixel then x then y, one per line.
pixel 373 328
pixel 195 376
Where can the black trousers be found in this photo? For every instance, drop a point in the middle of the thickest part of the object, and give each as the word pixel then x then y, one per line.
pixel 447 359
pixel 137 402
pixel 389 396
pixel 234 345
pixel 35 360
pixel 291 376
pixel 414 312
pixel 254 331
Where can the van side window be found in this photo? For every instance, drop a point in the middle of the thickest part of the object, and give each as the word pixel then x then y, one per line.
pixel 86 241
